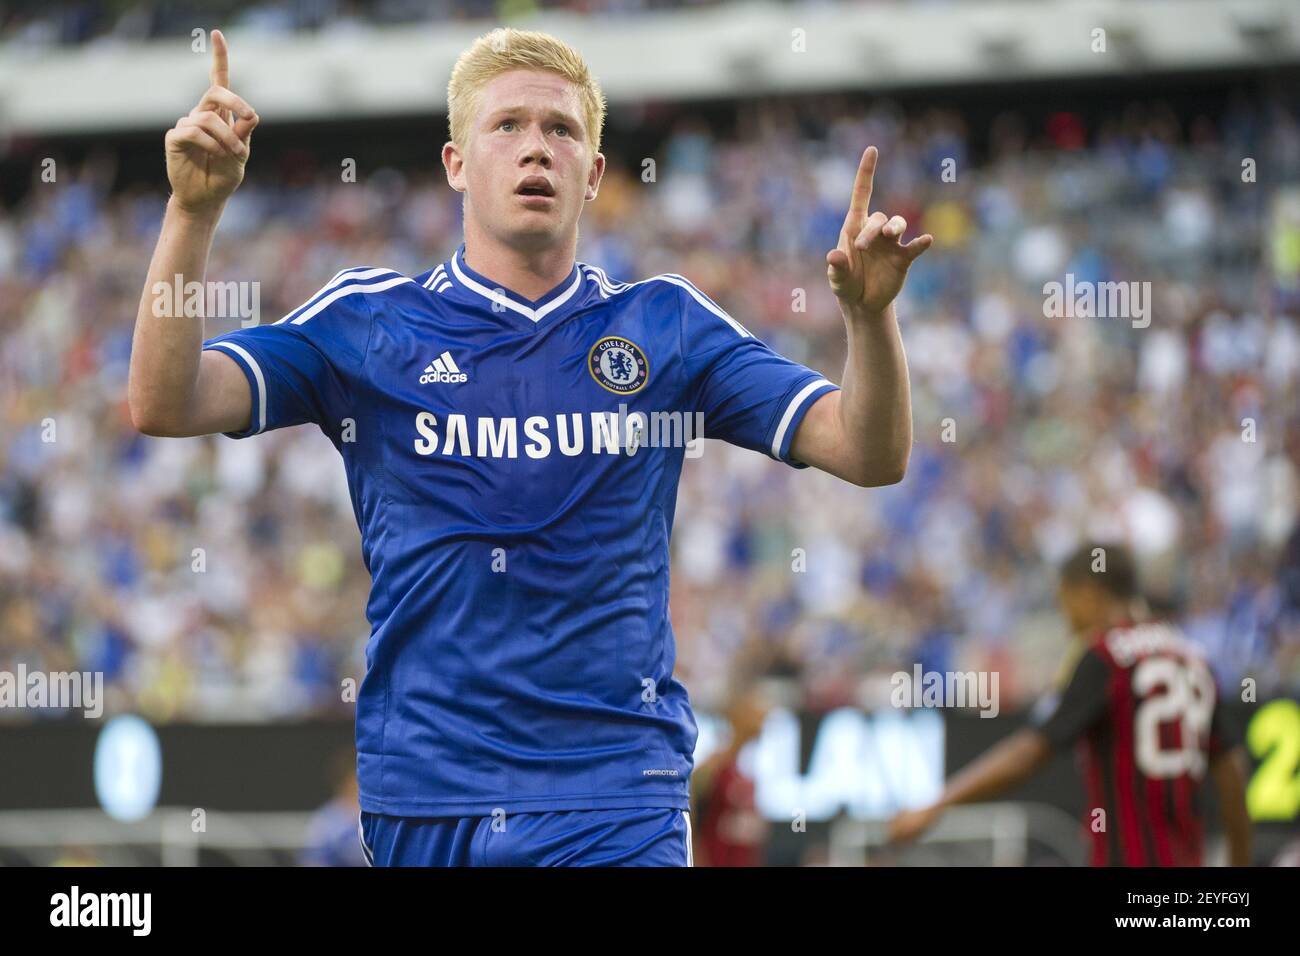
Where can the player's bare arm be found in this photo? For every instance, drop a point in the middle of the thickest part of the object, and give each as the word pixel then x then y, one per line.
pixel 863 432
pixel 173 388
pixel 1229 771
pixel 1006 765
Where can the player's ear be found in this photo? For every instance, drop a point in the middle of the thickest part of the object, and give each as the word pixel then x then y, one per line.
pixel 595 175
pixel 454 163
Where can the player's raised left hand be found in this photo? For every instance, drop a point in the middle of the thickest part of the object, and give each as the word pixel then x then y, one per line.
pixel 866 270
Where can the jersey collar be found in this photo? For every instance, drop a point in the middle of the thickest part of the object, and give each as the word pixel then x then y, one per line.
pixel 567 294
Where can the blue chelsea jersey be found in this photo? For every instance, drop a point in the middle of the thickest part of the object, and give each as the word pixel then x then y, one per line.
pixel 513 466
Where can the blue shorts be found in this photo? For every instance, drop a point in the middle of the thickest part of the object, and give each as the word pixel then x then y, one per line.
pixel 639 837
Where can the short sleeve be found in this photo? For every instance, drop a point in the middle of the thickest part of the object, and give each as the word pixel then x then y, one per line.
pixel 747 394
pixel 1081 704
pixel 301 369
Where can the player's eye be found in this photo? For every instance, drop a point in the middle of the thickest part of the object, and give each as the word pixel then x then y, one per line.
pixel 505 123
pixel 561 126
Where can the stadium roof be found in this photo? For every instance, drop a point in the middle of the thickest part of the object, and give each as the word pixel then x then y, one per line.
pixel 733 50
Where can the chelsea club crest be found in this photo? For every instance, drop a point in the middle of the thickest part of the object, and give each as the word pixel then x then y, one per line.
pixel 618 365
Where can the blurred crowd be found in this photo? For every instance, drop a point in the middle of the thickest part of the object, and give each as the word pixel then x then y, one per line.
pixel 212 578
pixel 39 24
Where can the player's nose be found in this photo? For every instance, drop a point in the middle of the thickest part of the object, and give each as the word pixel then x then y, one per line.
pixel 538 156
pixel 535 150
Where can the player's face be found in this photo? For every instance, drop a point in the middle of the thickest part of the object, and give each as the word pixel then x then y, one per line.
pixel 1079 604
pixel 747 716
pixel 528 137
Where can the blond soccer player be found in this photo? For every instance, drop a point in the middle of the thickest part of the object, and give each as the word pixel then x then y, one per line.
pixel 513 423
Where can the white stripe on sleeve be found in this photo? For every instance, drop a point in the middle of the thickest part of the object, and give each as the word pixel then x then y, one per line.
pixel 321 304
pixel 260 398
pixel 790 411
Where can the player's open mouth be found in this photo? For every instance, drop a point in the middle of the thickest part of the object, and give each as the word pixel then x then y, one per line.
pixel 536 191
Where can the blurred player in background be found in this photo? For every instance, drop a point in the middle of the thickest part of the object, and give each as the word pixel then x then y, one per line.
pixel 332 832
pixel 1143 707
pixel 731 831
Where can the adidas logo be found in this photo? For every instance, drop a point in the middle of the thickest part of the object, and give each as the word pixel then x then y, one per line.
pixel 443 369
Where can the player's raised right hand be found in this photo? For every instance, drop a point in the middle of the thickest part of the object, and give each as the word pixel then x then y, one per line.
pixel 208 149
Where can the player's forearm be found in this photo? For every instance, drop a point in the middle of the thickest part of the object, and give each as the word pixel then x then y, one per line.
pixel 1230 790
pixel 875 408
pixel 1006 765
pixel 1238 836
pixel 166 347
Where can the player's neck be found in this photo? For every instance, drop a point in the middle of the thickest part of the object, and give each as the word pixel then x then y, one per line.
pixel 526 272
pixel 1115 616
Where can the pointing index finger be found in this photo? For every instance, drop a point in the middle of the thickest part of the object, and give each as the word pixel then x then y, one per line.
pixel 862 184
pixel 220 73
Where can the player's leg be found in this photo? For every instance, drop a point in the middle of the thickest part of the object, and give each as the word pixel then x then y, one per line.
pixel 417 841
pixel 634 837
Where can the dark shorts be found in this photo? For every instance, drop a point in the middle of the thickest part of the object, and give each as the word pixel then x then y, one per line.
pixel 640 837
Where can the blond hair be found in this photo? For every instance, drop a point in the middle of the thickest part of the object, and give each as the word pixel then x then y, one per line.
pixel 506 49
